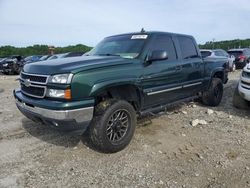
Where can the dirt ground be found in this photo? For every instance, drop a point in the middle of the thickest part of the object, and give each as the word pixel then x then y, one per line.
pixel 166 151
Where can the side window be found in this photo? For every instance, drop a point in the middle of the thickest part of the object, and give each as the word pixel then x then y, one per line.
pixel 221 54
pixel 188 47
pixel 225 53
pixel 217 53
pixel 164 42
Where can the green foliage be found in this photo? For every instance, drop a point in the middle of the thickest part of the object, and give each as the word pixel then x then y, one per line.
pixel 227 44
pixel 6 51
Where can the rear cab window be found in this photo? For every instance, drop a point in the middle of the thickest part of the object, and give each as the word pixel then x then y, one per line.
pixel 188 47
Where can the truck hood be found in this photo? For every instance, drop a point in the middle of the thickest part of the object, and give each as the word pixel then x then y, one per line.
pixel 74 64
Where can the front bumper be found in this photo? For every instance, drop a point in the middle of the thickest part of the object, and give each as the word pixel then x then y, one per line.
pixel 63 119
pixel 244 88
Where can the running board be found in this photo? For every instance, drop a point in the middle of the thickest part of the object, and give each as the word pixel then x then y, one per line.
pixel 164 107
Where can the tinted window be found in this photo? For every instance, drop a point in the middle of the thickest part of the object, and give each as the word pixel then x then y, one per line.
pixel 235 53
pixel 219 53
pixel 188 47
pixel 205 53
pixel 164 42
pixel 225 53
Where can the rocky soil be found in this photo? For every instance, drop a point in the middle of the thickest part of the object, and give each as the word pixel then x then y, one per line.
pixel 188 146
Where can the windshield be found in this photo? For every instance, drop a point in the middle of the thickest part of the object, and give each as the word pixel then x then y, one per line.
pixel 126 46
pixel 43 57
pixel 27 58
pixel 205 53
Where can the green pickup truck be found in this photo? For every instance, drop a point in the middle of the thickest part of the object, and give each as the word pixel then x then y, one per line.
pixel 123 77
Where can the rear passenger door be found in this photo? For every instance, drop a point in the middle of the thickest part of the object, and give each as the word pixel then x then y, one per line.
pixel 192 66
pixel 162 80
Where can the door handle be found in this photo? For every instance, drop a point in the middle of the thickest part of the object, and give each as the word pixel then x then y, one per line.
pixel 178 67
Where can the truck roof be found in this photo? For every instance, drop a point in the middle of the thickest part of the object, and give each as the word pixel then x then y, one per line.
pixel 151 33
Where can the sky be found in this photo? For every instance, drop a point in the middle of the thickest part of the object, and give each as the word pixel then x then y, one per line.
pixel 70 22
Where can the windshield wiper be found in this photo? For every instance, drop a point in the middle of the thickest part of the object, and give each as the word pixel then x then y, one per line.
pixel 108 54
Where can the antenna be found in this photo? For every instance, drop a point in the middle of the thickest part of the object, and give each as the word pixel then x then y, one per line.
pixel 142 30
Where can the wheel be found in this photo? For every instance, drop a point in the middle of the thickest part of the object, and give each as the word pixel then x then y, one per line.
pixel 233 67
pixel 113 126
pixel 18 71
pixel 213 96
pixel 238 101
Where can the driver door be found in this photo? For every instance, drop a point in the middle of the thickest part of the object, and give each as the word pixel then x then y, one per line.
pixel 162 80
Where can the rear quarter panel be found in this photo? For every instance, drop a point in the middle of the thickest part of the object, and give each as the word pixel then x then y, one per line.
pixel 213 65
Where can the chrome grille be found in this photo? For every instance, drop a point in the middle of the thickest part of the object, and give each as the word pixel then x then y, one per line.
pixel 33 85
pixel 246 74
pixel 33 91
pixel 40 79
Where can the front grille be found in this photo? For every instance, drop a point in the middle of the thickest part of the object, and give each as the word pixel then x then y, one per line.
pixel 33 91
pixel 246 74
pixel 245 83
pixel 33 85
pixel 34 78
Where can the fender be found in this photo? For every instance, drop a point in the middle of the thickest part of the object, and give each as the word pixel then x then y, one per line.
pixel 102 86
pixel 218 70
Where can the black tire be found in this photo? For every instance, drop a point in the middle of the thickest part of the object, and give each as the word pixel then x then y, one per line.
pixel 18 71
pixel 238 101
pixel 213 96
pixel 6 73
pixel 108 125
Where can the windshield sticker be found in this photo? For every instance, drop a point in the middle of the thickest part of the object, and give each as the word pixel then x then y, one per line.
pixel 139 37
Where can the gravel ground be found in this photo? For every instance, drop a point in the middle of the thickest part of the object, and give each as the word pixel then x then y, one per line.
pixel 166 151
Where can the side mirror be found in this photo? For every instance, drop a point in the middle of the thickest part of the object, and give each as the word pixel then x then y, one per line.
pixel 157 55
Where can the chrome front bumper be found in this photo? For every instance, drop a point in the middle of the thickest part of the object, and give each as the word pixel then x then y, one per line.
pixel 79 115
pixel 66 120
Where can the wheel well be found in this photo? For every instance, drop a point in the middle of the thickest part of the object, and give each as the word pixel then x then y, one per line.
pixel 219 74
pixel 129 93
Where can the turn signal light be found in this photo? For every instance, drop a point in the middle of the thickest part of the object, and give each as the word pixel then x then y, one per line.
pixel 67 94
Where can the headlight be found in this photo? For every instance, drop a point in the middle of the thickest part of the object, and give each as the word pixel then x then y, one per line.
pixel 58 93
pixel 61 78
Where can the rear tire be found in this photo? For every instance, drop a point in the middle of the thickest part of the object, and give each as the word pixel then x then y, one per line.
pixel 213 96
pixel 113 126
pixel 238 101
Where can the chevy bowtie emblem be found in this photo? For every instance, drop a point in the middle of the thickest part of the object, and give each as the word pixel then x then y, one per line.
pixel 27 82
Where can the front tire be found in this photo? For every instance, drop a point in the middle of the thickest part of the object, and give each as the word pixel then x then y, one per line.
pixel 113 126
pixel 213 96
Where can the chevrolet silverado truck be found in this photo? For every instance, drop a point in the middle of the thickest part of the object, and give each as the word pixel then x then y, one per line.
pixel 123 77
